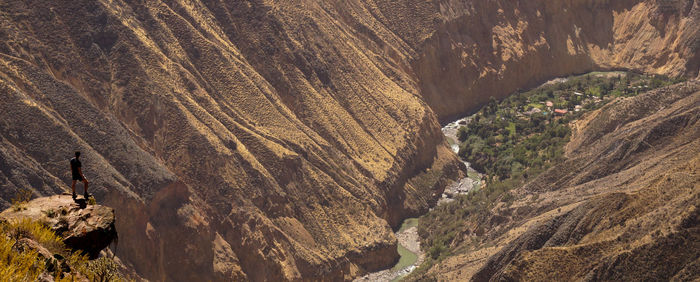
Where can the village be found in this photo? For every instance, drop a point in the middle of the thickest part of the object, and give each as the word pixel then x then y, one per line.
pixel 511 141
pixel 588 90
pixel 523 134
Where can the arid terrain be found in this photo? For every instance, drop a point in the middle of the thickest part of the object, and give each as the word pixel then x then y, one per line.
pixel 623 206
pixel 283 140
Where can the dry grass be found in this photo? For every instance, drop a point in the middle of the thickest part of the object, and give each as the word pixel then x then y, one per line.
pixel 21 198
pixel 66 265
pixel 14 266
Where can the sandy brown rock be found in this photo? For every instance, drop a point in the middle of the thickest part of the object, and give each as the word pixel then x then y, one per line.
pixel 89 228
pixel 288 136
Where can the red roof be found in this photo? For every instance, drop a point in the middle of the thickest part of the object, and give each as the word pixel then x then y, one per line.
pixel 561 111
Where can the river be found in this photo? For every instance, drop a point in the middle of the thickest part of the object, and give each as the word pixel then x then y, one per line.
pixel 411 255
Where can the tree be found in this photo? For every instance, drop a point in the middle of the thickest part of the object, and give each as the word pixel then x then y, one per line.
pixel 492 106
pixel 549 93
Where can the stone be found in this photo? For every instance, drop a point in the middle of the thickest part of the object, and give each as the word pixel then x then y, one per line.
pixel 89 228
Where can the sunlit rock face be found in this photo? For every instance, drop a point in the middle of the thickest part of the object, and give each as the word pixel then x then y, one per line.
pixel 236 140
pixel 268 140
pixel 83 227
pixel 493 48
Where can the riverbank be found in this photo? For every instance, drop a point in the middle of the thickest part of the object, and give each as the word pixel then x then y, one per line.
pixel 473 181
pixel 409 248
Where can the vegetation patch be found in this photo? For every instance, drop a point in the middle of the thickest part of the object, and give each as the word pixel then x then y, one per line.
pixel 20 199
pixel 512 141
pixel 30 250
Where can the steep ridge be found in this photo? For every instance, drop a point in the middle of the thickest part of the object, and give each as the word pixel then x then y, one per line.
pixel 493 48
pixel 234 136
pixel 230 136
pixel 624 205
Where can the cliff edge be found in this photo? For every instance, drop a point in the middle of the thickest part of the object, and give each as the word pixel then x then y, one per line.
pixel 84 227
pixel 55 239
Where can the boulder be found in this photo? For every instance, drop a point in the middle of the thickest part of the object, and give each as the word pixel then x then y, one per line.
pixel 89 228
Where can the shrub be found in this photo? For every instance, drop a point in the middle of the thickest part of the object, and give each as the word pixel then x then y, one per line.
pixel 27 265
pixel 20 199
pixel 103 270
pixel 18 266
pixel 436 250
pixel 36 231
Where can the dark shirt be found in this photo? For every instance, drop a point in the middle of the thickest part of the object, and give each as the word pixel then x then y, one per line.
pixel 74 165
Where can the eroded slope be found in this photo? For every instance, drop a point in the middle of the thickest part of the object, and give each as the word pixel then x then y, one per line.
pixel 234 136
pixel 624 205
pixel 493 48
pixel 230 136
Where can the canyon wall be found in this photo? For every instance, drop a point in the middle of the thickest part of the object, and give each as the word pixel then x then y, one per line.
pixel 493 48
pixel 254 140
pixel 624 205
pixel 268 140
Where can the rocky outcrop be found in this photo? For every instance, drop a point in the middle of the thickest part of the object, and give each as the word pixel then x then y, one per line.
pixel 88 228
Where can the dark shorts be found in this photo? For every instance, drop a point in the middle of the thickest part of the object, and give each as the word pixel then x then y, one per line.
pixel 77 177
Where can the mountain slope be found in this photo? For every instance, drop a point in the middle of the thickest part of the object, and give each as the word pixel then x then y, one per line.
pixel 230 137
pixel 493 48
pixel 234 136
pixel 624 205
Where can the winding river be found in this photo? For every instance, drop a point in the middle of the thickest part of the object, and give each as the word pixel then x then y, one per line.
pixel 411 255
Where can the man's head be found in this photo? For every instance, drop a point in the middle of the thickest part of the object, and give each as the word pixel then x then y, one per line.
pixel 77 154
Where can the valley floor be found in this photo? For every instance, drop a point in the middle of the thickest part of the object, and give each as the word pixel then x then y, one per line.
pixel 624 193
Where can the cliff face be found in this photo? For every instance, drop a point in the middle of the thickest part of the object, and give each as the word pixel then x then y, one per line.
pixel 236 139
pixel 493 48
pixel 276 139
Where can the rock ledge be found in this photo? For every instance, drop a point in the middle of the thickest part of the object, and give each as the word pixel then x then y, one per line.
pixel 89 228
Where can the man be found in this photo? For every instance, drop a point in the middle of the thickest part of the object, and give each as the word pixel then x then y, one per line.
pixel 75 167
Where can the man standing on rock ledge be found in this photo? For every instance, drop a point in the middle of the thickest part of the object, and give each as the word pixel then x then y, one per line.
pixel 75 167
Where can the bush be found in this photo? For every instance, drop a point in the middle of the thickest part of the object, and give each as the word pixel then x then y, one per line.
pixel 20 199
pixel 18 266
pixel 103 270
pixel 65 265
pixel 436 250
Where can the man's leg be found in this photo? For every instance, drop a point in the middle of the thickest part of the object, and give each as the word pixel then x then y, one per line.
pixel 85 183
pixel 72 186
